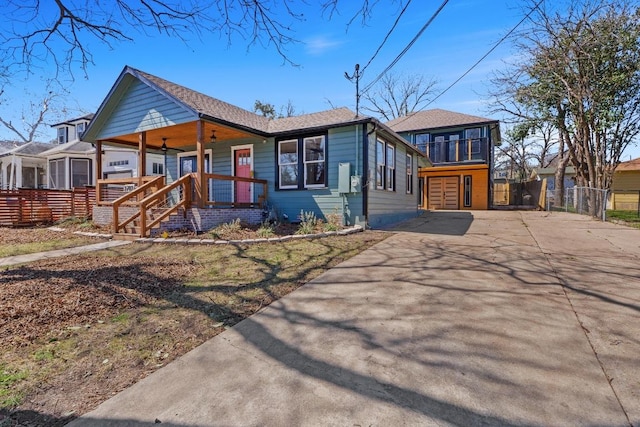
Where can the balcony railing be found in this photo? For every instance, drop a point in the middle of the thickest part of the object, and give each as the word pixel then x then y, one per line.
pixel 457 151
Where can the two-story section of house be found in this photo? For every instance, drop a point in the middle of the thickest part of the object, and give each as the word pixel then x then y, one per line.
pixel 460 147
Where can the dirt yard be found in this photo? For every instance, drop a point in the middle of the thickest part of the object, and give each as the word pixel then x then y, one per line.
pixel 77 330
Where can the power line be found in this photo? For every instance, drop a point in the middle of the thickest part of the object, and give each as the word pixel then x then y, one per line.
pixel 406 49
pixel 393 27
pixel 485 55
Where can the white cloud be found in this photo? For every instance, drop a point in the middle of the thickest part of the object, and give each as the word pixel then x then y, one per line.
pixel 321 44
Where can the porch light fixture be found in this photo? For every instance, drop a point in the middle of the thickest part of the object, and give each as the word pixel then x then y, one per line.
pixel 213 138
pixel 164 145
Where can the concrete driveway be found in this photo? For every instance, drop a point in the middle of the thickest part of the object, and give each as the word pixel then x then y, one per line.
pixel 461 318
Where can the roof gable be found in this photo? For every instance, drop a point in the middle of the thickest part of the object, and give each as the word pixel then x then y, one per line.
pixel 435 119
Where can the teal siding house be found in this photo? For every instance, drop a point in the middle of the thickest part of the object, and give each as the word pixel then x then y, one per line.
pixel 221 162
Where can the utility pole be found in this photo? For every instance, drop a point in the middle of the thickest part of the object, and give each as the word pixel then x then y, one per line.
pixel 355 76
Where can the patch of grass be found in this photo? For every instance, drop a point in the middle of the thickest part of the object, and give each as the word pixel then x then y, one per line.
pixel 627 216
pixel 45 354
pixel 43 246
pixel 10 397
pixel 120 318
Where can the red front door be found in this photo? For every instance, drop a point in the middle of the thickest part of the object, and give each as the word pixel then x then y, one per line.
pixel 242 160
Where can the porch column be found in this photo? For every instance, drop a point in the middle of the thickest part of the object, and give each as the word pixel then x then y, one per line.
pixel 4 175
pixel 201 182
pixel 98 161
pixel 142 156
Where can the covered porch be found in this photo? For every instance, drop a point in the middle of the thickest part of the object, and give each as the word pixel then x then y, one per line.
pixel 183 191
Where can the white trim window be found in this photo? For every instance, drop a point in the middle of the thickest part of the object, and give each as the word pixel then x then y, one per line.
pixel 314 162
pixel 380 164
pixel 157 168
pixel 62 135
pixel 385 166
pixel 390 159
pixel 409 173
pixel 288 164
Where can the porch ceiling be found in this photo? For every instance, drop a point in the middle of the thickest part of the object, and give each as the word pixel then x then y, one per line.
pixel 182 135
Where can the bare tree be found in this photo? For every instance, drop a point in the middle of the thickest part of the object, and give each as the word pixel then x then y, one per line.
pixel 397 95
pixel 35 115
pixel 269 110
pixel 41 34
pixel 579 72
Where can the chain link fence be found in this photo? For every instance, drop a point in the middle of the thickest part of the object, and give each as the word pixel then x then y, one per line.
pixel 581 200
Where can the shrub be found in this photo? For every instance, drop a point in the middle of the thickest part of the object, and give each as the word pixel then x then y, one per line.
pixel 266 230
pixel 334 222
pixel 308 223
pixel 227 228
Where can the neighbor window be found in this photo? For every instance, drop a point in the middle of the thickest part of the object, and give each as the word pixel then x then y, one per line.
pixel 56 174
pixel 158 168
pixel 385 165
pixel 409 174
pixel 62 135
pixel 80 176
pixel 302 163
pixel 80 127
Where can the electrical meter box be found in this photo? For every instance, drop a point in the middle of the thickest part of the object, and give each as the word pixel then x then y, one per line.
pixel 344 175
pixel 356 183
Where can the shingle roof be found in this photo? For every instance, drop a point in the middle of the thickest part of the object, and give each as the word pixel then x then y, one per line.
pixel 337 116
pixel 70 147
pixel 434 119
pixel 70 121
pixel 7 145
pixel 217 109
pixel 207 105
pixel 28 149
pixel 631 165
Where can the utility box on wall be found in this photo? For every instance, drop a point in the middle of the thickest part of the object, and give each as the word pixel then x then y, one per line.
pixel 356 184
pixel 344 178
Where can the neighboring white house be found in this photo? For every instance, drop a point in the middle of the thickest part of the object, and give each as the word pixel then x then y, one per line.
pixel 72 162
pixel 23 167
pixel 68 162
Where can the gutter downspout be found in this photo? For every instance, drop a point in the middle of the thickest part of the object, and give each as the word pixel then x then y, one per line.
pixel 365 174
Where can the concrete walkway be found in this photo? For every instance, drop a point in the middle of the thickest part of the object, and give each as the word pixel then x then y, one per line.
pixel 21 259
pixel 466 319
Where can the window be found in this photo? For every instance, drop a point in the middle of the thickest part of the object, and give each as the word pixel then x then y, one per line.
pixel 380 164
pixel 314 162
pixel 409 174
pixel 391 168
pixel 437 152
pixel 56 174
pixel 119 163
pixel 385 165
pixel 473 136
pixel 422 141
pixel 80 127
pixel 302 163
pixel 62 135
pixel 157 168
pixel 288 163
pixel 454 154
pixel 80 172
pixel 467 191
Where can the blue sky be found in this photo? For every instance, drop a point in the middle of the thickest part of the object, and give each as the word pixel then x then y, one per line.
pixel 239 74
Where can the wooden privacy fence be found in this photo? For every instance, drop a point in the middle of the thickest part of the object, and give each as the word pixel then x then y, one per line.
pixel 33 206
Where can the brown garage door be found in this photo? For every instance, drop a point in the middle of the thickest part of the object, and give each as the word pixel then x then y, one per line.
pixel 443 192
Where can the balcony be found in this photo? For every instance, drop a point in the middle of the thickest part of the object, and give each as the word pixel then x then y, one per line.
pixel 474 150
